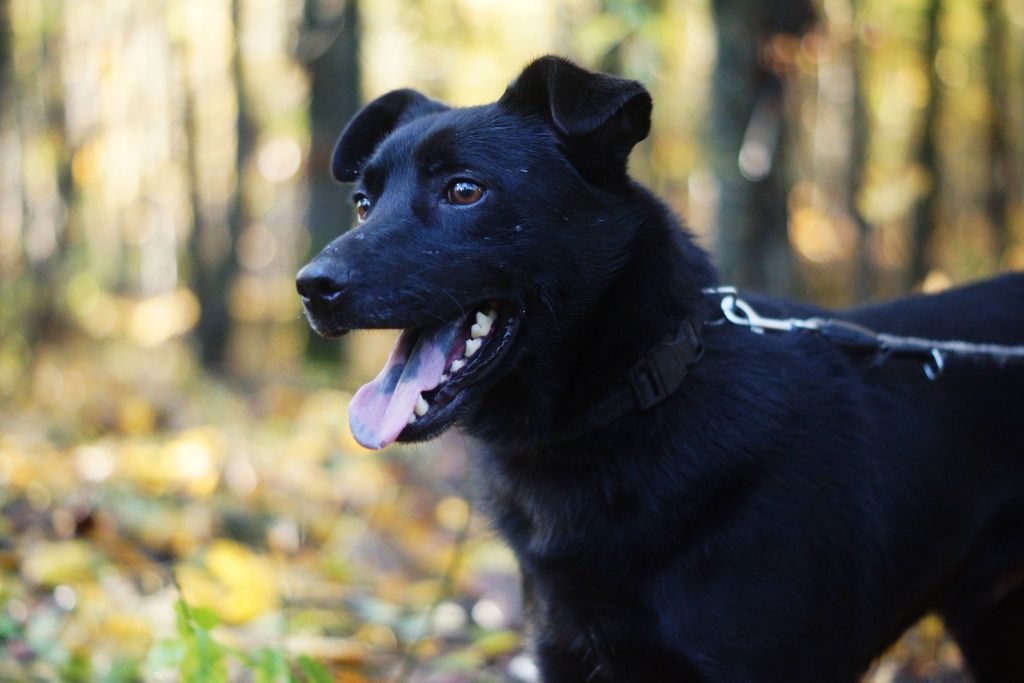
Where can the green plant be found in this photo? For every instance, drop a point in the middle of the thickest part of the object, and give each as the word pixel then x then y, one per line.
pixel 198 658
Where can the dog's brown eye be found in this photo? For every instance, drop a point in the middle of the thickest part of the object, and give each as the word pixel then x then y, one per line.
pixel 362 207
pixel 463 192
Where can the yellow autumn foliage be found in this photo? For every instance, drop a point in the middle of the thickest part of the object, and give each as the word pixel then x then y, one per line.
pixel 52 563
pixel 232 580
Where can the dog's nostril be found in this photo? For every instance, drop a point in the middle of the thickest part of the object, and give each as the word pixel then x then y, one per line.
pixel 313 284
pixel 323 288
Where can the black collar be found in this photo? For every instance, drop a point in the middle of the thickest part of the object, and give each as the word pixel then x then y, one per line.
pixel 657 375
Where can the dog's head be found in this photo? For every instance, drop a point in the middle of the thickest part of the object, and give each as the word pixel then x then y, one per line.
pixel 475 225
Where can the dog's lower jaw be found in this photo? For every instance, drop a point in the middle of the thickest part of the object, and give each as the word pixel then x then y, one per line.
pixel 325 329
pixel 432 374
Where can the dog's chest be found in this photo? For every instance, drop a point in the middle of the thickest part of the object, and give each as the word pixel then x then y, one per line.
pixel 565 519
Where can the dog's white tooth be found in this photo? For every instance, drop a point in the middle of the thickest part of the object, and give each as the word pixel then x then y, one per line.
pixel 491 314
pixel 472 346
pixel 445 377
pixel 458 365
pixel 482 327
pixel 421 406
pixel 412 418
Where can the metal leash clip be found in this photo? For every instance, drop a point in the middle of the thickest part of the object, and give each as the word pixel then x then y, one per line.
pixel 855 338
pixel 934 365
pixel 739 312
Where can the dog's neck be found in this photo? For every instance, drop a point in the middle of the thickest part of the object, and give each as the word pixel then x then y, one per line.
pixel 667 269
pixel 540 400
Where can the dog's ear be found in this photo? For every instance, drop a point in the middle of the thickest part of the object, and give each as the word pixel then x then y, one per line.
pixel 374 123
pixel 599 117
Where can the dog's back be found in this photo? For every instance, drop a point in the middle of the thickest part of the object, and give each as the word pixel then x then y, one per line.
pixel 991 311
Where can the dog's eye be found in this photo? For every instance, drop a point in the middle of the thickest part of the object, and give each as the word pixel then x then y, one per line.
pixel 362 203
pixel 464 192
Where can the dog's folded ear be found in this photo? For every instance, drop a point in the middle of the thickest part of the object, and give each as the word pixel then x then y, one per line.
pixel 374 123
pixel 599 117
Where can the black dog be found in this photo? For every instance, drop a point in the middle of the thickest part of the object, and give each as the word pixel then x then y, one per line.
pixel 781 514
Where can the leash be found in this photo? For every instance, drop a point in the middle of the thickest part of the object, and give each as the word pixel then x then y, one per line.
pixel 856 338
pixel 661 369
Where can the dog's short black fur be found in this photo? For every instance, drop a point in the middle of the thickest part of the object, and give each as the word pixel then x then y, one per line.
pixel 784 515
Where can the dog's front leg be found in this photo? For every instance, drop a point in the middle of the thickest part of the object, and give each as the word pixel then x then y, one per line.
pixel 559 661
pixel 572 650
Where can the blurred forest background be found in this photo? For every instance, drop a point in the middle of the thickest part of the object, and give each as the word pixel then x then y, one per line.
pixel 168 428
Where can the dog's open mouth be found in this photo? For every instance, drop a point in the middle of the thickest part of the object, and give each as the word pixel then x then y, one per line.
pixel 420 390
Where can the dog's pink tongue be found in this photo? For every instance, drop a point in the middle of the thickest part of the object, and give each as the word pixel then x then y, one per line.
pixel 381 409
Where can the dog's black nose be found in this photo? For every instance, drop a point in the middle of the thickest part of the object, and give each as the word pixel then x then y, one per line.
pixel 318 286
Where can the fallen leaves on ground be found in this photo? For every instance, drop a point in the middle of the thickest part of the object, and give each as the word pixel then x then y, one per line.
pixel 162 525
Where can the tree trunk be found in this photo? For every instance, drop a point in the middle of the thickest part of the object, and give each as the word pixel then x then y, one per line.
pixel 1004 178
pixel 6 49
pixel 10 318
pixel 859 136
pixel 216 261
pixel 748 144
pixel 926 216
pixel 330 49
pixel 36 112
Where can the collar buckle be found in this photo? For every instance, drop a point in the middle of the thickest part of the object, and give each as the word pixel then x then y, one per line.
pixel 661 369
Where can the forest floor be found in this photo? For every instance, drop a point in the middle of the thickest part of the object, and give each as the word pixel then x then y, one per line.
pixel 159 524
